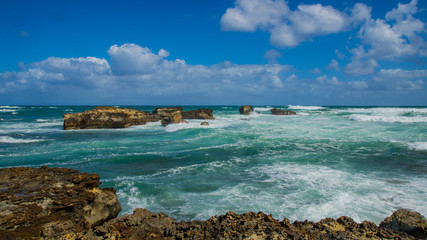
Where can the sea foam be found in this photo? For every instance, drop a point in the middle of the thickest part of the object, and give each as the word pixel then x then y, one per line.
pixel 7 139
pixel 390 119
pixel 299 107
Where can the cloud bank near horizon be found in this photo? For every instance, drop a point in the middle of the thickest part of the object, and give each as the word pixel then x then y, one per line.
pixel 138 71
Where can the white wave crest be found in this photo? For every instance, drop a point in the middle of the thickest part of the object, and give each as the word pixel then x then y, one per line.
pixel 378 118
pixel 418 146
pixel 13 107
pixel 262 109
pixel 8 110
pixel 6 139
pixel 299 107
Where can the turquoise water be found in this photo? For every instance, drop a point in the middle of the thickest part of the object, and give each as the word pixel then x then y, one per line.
pixel 362 162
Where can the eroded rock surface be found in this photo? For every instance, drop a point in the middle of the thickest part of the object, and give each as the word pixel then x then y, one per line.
pixel 56 203
pixel 198 114
pixel 246 109
pixel 113 117
pixel 276 111
pixel 45 202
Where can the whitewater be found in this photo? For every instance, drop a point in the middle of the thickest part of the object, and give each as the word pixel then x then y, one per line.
pixel 361 162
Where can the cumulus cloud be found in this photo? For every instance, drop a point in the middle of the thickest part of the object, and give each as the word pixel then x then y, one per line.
pixel 288 28
pixel 136 69
pixel 133 59
pixel 397 36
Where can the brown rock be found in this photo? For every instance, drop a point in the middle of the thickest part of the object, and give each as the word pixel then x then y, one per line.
pixel 198 114
pixel 52 202
pixel 204 123
pixel 173 117
pixel 246 109
pixel 107 117
pixel 166 112
pixel 406 221
pixel 276 111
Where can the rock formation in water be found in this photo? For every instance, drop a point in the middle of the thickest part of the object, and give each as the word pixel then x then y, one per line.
pixel 58 203
pixel 276 111
pixel 113 117
pixel 198 114
pixel 246 109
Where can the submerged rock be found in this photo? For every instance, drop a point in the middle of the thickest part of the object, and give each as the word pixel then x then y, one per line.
pixel 276 111
pixel 52 202
pixel 246 109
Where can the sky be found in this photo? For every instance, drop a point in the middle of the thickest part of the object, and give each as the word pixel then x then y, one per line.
pixel 213 52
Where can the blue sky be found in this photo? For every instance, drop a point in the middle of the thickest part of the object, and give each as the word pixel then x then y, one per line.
pixel 261 52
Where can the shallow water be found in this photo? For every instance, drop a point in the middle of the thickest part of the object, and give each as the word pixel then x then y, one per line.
pixel 362 162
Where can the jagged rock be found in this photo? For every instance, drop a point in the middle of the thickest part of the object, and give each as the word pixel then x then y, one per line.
pixel 52 202
pixel 246 109
pixel 204 123
pixel 107 117
pixel 55 203
pixel 172 117
pixel 410 222
pixel 198 114
pixel 113 117
pixel 276 111
pixel 166 112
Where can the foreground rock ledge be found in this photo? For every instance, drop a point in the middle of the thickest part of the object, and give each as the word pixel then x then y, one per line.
pixel 58 203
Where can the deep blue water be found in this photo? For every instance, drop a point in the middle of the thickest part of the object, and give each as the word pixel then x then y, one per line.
pixel 363 162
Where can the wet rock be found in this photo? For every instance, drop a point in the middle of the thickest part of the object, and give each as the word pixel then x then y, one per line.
pixel 49 202
pixel 198 114
pixel 406 221
pixel 246 109
pixel 204 123
pixel 276 111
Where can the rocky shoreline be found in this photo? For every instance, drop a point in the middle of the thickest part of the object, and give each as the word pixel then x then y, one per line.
pixel 61 203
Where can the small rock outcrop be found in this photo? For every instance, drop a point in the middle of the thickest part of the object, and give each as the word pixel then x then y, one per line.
pixel 113 117
pixel 409 222
pixel 204 123
pixel 246 109
pixel 276 111
pixel 198 114
pixel 52 202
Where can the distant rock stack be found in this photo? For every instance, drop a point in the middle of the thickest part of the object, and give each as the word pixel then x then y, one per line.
pixel 276 111
pixel 113 117
pixel 246 109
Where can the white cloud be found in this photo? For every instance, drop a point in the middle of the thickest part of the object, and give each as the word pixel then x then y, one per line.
pixel 249 15
pixel 288 28
pixel 334 65
pixel 138 70
pixel 397 36
pixel 272 55
pixel 130 58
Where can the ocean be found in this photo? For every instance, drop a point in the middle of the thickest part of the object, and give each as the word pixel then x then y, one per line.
pixel 361 162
